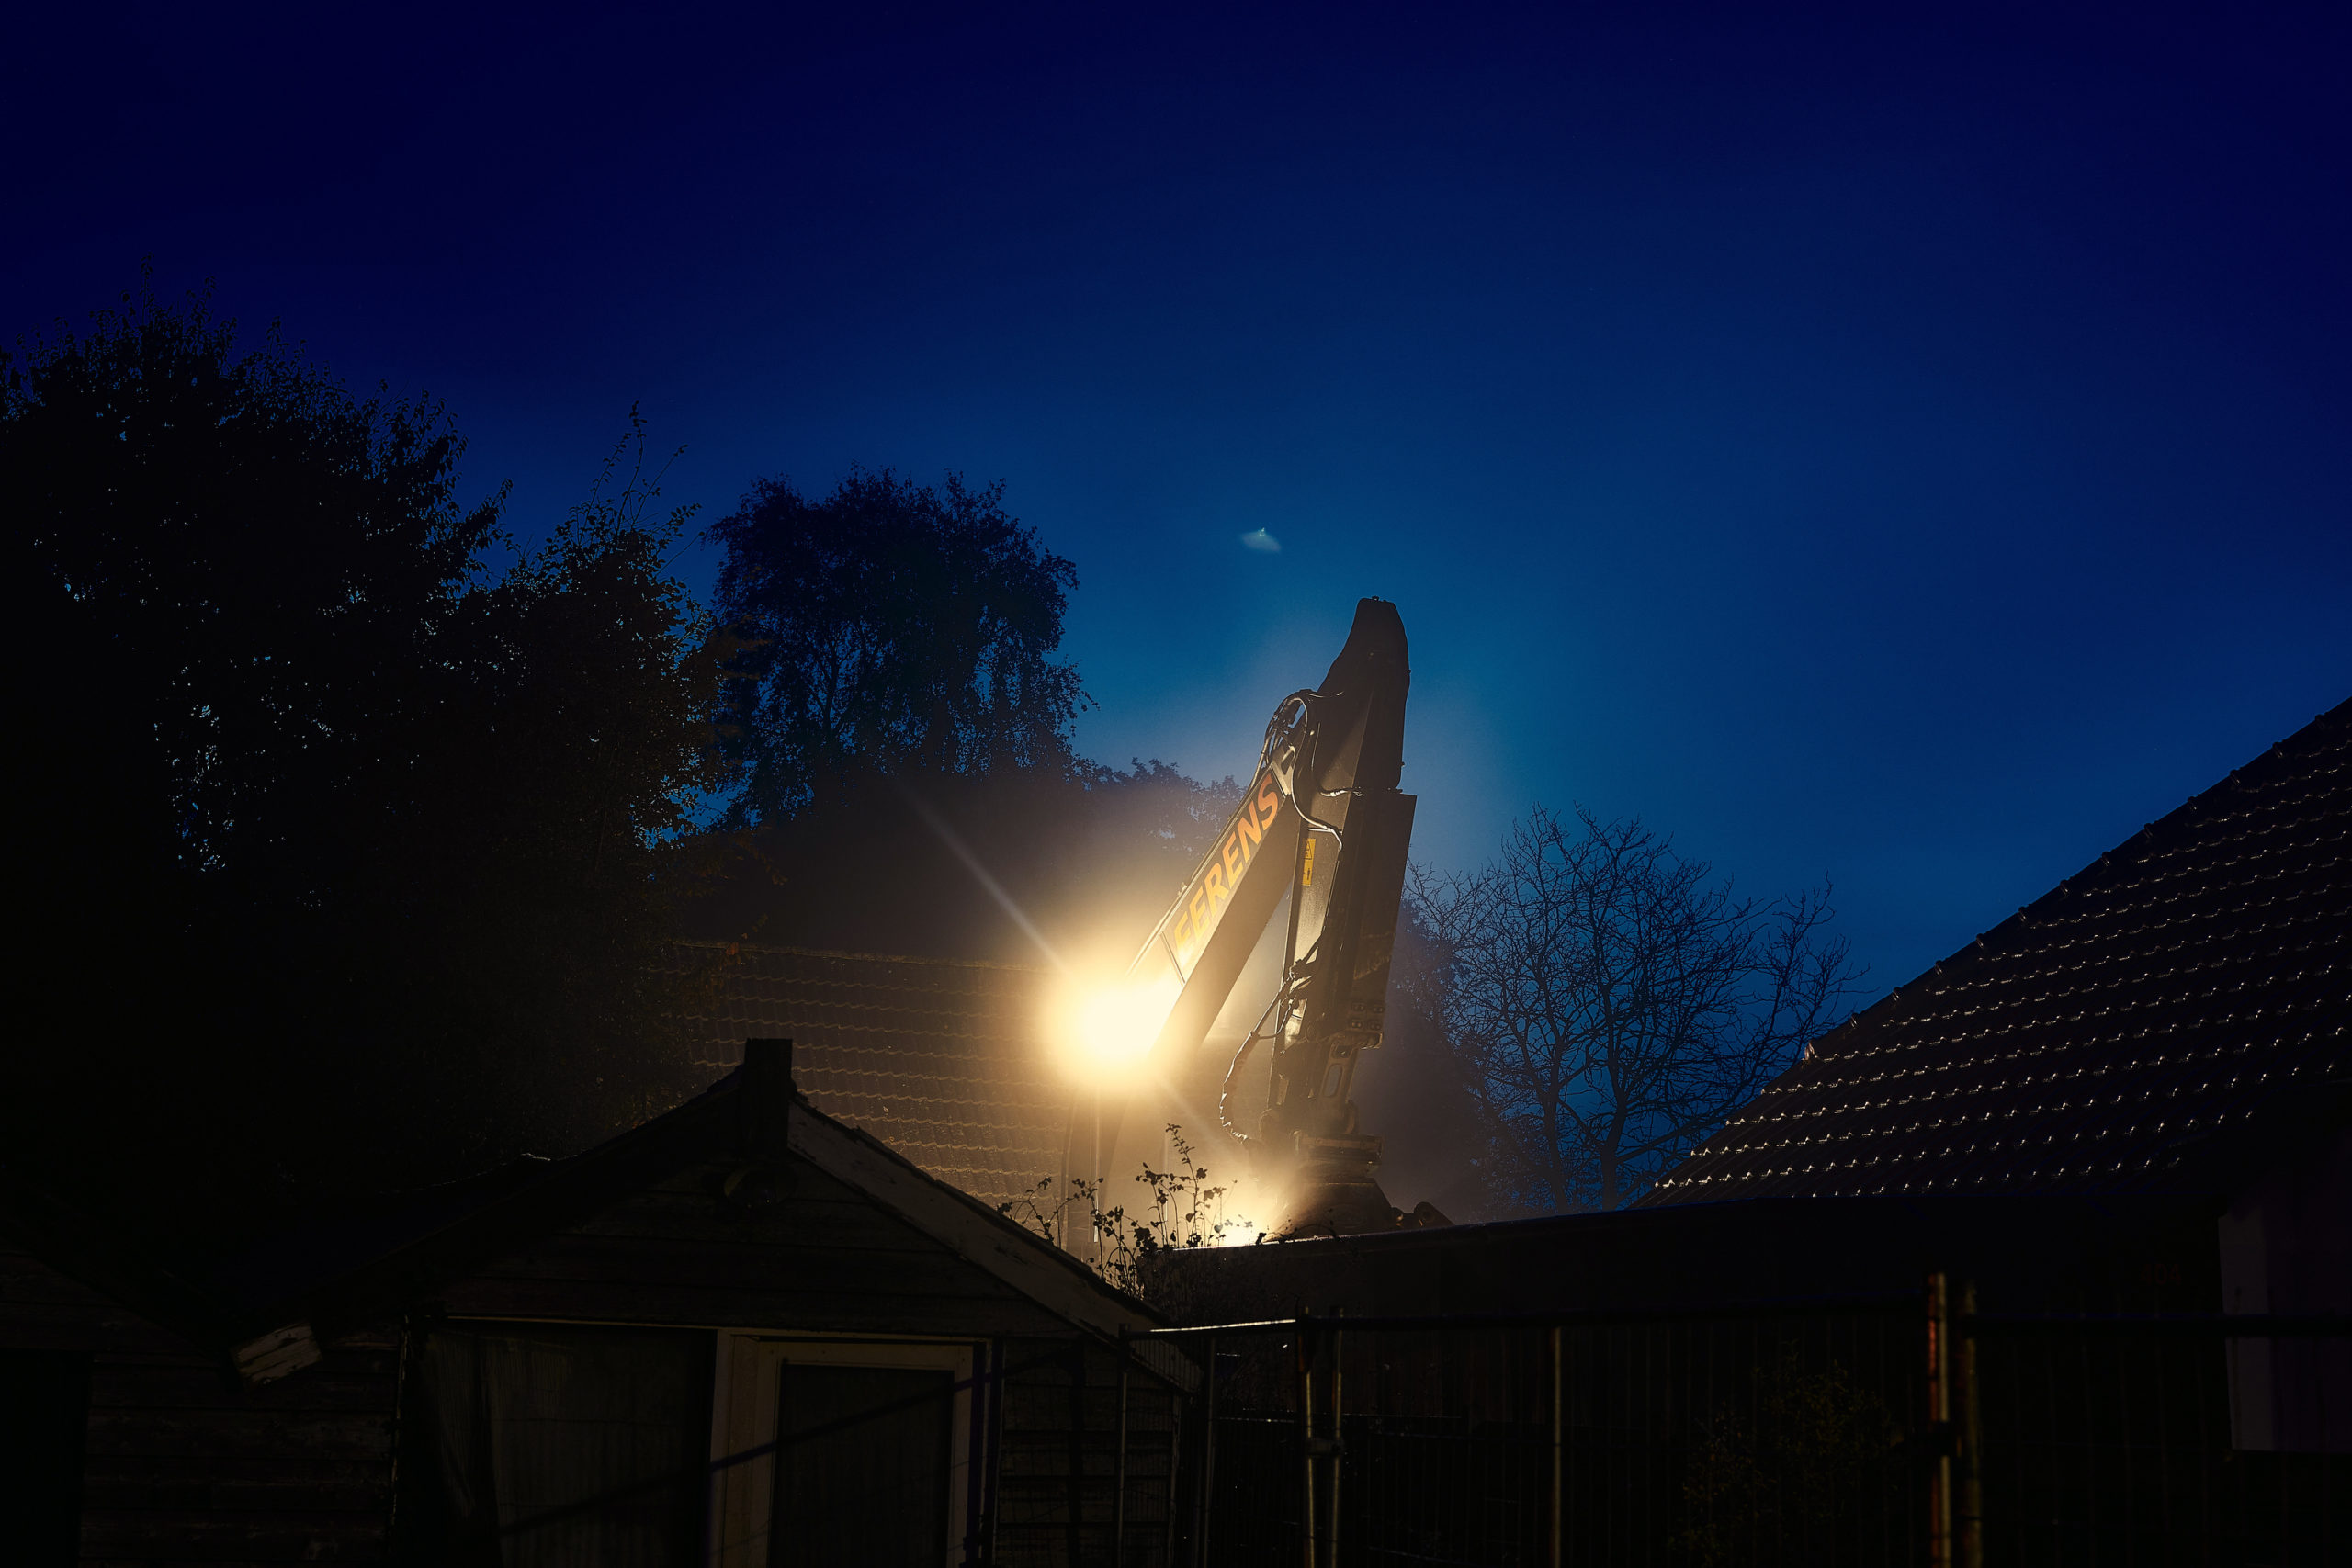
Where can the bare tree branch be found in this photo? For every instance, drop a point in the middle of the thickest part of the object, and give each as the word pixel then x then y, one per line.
pixel 1611 1004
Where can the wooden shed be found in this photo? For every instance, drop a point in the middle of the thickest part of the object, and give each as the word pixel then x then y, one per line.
pixel 741 1334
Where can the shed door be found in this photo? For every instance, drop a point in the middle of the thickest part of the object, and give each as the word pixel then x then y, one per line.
pixel 842 1452
pixel 862 1466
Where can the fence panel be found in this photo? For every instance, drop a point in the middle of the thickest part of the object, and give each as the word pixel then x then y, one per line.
pixel 2106 1447
pixel 1776 1433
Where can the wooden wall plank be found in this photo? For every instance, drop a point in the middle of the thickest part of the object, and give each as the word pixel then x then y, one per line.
pixel 45 1326
pixel 240 1434
pixel 213 1537
pixel 651 1303
pixel 248 1486
pixel 208 1385
pixel 608 1260
pixel 797 1222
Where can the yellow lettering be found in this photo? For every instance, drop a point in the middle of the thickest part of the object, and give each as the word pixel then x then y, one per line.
pixel 1247 833
pixel 1235 857
pixel 1213 880
pixel 1269 804
pixel 1307 868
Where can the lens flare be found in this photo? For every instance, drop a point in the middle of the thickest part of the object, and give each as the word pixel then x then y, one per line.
pixel 1107 1031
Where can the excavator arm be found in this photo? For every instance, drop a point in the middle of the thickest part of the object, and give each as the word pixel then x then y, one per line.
pixel 1323 822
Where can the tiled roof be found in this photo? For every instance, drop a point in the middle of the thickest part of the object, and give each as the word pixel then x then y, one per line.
pixel 942 1061
pixel 2189 994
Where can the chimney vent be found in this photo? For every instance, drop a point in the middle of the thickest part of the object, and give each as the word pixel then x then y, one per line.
pixel 764 1092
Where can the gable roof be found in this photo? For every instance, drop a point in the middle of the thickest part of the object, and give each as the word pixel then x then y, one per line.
pixel 752 1115
pixel 942 1060
pixel 2140 1028
pixel 89 1248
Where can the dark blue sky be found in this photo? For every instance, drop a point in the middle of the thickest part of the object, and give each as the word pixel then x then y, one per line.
pixel 1912 451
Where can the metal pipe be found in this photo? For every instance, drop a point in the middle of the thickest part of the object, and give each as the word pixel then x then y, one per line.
pixel 1940 1542
pixel 1175 1458
pixel 976 1448
pixel 1972 1467
pixel 1206 1511
pixel 995 1394
pixel 1119 1482
pixel 2167 1324
pixel 1339 1439
pixel 1074 1532
pixel 1983 1326
pixel 1555 1555
pixel 1776 1306
pixel 1307 1449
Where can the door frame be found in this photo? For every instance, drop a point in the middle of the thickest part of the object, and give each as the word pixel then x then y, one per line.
pixel 747 1381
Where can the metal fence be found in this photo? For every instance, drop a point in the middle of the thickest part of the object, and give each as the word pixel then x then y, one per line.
pixel 1895 1430
pixel 2108 1441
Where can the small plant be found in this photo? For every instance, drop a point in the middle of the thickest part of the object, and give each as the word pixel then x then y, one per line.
pixel 1185 1210
pixel 1820 1451
pixel 1182 1211
pixel 1038 1210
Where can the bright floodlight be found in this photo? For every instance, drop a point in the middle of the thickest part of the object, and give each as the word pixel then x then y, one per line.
pixel 1109 1030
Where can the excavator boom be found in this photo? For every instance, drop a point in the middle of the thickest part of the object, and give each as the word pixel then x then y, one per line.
pixel 1324 823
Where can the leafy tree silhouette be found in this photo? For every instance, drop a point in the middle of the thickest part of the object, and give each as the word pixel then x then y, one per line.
pixel 888 627
pixel 341 844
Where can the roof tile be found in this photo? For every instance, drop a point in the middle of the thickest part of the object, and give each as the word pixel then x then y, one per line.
pixel 944 1060
pixel 2194 981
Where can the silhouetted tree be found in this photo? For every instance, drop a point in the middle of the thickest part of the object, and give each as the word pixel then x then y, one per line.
pixel 543 829
pixel 898 717
pixel 1612 1005
pixel 888 627
pixel 1423 1098
pixel 338 845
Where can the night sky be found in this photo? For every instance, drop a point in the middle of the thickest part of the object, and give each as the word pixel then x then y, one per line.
pixel 1913 456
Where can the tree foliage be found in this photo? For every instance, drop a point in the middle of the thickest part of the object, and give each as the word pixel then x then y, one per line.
pixel 888 627
pixel 1804 1469
pixel 1611 1004
pixel 254 561
pixel 898 717
pixel 341 844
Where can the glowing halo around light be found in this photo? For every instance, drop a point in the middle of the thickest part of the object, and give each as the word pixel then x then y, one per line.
pixel 1105 1032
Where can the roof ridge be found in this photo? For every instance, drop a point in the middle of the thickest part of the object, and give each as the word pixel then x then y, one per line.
pixel 558 1194
pixel 2162 1020
pixel 2105 868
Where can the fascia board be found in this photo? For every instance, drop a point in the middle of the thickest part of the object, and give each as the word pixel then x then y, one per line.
pixel 1018 1259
